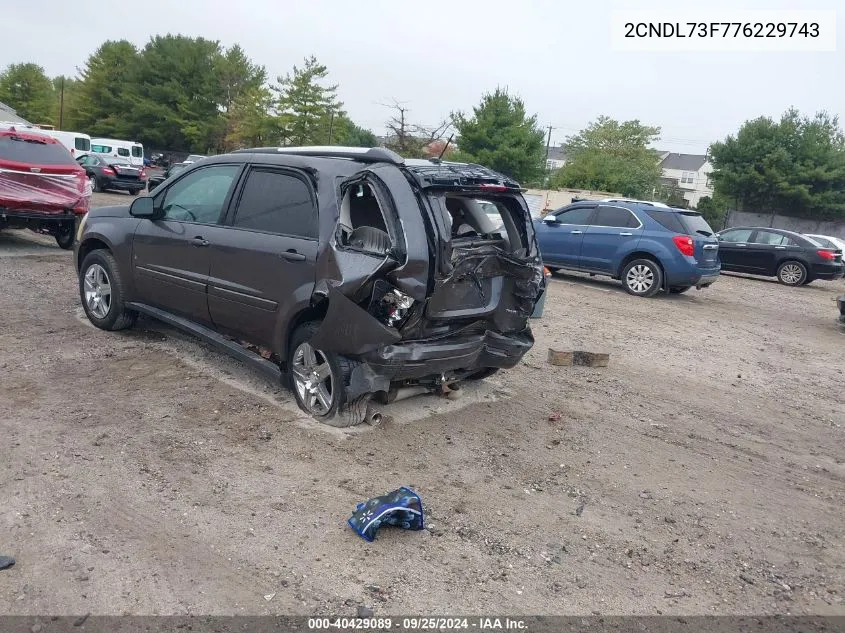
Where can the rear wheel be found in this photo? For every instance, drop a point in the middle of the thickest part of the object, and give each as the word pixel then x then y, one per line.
pixel 65 235
pixel 102 292
pixel 134 192
pixel 319 380
pixel 642 278
pixel 792 273
pixel 95 184
pixel 679 290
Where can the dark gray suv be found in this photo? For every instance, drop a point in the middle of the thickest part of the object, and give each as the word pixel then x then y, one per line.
pixel 350 272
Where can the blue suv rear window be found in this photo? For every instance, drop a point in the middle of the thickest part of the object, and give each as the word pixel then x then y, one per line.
pixel 696 224
pixel 669 220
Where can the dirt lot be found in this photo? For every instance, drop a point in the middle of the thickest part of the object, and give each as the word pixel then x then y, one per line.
pixel 702 471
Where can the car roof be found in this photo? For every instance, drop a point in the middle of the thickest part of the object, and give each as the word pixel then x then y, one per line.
pixel 30 135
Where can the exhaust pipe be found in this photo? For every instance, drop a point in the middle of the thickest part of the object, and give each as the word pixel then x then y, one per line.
pixel 373 416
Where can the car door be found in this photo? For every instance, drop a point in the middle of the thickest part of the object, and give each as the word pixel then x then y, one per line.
pixel 733 247
pixel 561 233
pixel 611 229
pixel 764 249
pixel 263 261
pixel 171 256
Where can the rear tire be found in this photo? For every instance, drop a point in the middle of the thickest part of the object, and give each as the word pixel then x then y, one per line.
pixel 101 290
pixel 134 192
pixel 679 290
pixel 318 380
pixel 95 184
pixel 66 235
pixel 792 273
pixel 642 278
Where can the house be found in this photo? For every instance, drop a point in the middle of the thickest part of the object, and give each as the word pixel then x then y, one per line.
pixel 556 158
pixel 688 173
pixel 9 116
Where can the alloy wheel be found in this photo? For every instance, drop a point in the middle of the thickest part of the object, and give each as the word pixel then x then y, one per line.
pixel 313 379
pixel 97 289
pixel 791 274
pixel 640 278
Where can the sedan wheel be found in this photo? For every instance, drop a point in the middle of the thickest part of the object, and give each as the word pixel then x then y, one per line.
pixel 792 273
pixel 97 288
pixel 95 186
pixel 313 379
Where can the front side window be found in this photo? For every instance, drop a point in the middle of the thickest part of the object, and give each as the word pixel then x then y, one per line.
pixel 616 217
pixel 101 149
pixel 82 143
pixel 199 196
pixel 277 202
pixel 578 215
pixel 739 235
pixel 122 151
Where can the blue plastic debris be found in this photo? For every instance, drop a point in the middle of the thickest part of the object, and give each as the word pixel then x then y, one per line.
pixel 401 508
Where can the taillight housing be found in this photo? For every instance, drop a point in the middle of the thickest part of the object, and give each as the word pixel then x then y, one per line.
pixel 831 255
pixel 109 170
pixel 684 244
pixel 143 174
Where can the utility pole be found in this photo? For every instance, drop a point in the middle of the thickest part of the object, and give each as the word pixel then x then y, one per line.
pixel 62 103
pixel 546 164
pixel 331 126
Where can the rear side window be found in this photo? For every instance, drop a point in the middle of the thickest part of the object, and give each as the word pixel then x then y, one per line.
pixel 615 217
pixel 696 224
pixel 101 149
pixel 277 202
pixel 770 239
pixel 82 143
pixel 16 149
pixel 137 151
pixel 579 215
pixel 669 221
pixel 122 151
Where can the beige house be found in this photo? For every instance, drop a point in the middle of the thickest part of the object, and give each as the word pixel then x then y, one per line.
pixel 689 173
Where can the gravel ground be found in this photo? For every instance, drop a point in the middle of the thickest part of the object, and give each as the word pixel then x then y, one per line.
pixel 701 472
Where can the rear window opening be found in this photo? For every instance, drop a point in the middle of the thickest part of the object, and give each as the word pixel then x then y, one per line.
pixel 362 223
pixel 683 222
pixel 36 152
pixel 696 224
pixel 475 221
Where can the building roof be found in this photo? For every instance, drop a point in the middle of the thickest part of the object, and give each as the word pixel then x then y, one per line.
pixel 8 115
pixel 684 162
pixel 557 153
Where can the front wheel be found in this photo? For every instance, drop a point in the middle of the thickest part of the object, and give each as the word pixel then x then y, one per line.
pixel 792 273
pixel 102 292
pixel 319 380
pixel 642 278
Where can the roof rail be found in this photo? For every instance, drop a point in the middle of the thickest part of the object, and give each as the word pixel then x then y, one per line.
pixel 361 154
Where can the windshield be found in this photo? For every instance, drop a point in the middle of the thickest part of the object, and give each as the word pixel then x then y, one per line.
pixel 696 224
pixel 32 151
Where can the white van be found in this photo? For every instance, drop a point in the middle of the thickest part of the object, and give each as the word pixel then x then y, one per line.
pixel 130 150
pixel 79 144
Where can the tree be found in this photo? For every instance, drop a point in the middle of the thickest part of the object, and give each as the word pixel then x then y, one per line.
pixel 29 91
pixel 501 135
pixel 714 210
pixel 101 104
pixel 613 157
pixel 66 91
pixel 248 121
pixel 347 133
pixel 238 75
pixel 795 166
pixel 175 96
pixel 306 105
pixel 410 139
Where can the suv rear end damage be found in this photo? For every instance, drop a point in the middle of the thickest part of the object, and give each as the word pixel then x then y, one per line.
pixel 428 288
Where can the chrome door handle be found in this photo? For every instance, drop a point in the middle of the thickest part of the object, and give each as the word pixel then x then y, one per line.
pixel 783 248
pixel 743 245
pixel 199 241
pixel 292 255
pixel 626 234
pixel 576 232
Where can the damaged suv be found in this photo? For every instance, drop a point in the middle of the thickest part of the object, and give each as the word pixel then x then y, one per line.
pixel 349 272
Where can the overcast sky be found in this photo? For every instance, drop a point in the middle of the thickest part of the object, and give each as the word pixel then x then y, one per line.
pixel 437 56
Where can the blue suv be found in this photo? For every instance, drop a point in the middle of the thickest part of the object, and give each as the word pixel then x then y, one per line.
pixel 649 247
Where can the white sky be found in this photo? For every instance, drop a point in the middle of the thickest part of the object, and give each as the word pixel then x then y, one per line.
pixel 437 56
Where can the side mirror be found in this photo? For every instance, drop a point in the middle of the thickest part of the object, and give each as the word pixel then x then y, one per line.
pixel 143 208
pixel 550 219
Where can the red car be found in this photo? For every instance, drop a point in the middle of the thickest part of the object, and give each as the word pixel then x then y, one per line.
pixel 42 188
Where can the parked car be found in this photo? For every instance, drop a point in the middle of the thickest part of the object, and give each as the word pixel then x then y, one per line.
pixel 132 151
pixel 192 158
pixel 793 258
pixel 41 186
pixel 840 302
pixel 155 181
pixel 649 248
pixel 77 143
pixel 106 172
pixel 352 269
pixel 827 241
